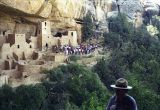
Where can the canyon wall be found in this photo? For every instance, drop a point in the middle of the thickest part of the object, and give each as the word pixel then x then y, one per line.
pixel 22 16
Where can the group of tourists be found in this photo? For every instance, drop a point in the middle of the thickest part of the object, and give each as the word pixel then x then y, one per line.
pixel 79 50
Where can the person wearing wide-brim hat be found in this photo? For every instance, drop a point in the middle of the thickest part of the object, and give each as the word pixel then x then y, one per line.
pixel 121 100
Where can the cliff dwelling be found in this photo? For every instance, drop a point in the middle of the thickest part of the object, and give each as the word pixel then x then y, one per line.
pixel 22 57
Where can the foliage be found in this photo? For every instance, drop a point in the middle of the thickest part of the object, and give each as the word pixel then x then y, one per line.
pixel 121 26
pixel 135 58
pixel 88 27
pixel 78 86
pixel 22 98
pixel 6 97
pixel 146 98
pixel 29 97
pixel 74 58
pixel 113 40
pixel 156 23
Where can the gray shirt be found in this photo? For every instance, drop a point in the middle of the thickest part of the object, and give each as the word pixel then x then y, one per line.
pixel 127 103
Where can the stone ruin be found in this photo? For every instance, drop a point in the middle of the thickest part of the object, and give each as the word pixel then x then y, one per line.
pixel 22 60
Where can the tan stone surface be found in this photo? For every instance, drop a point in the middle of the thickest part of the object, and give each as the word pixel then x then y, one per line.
pixel 17 47
pixel 46 10
pixel 62 13
pixel 2 40
pixel 3 80
pixel 43 8
pixel 67 8
pixel 2 65
pixel 138 19
pixel 26 6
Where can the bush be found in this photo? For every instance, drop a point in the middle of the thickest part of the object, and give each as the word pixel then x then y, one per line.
pixel 74 58
pixel 78 83
pixel 135 56
pixel 22 98
pixel 88 27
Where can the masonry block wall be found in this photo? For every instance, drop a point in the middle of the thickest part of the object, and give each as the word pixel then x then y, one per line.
pixel 17 46
pixel 2 40
pixel 46 40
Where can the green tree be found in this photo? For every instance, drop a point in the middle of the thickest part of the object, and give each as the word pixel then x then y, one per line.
pixel 134 56
pixel 29 97
pixel 88 27
pixel 6 97
pixel 112 40
pixel 146 98
pixel 75 83
pixel 121 26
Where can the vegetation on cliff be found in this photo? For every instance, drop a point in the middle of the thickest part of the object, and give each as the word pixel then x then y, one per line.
pixel 88 27
pixel 135 56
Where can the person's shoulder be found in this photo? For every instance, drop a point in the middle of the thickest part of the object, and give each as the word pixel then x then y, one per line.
pixel 131 101
pixel 113 98
pixel 130 98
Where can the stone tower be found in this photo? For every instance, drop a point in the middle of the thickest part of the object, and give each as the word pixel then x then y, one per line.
pixel 73 38
pixel 44 34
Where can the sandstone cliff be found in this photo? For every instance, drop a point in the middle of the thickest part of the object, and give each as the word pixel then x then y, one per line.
pixel 21 16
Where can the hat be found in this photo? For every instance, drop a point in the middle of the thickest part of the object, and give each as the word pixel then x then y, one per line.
pixel 121 83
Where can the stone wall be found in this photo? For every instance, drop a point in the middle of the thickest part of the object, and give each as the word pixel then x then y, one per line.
pixel 60 58
pixel 12 73
pixel 2 64
pixel 4 53
pixel 3 80
pixel 11 39
pixel 30 69
pixel 34 42
pixel 2 40
pixel 19 48
pixel 56 58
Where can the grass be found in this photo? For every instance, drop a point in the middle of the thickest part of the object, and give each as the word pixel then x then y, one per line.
pixel 74 58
